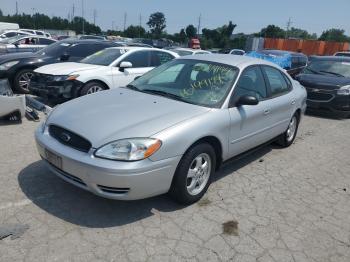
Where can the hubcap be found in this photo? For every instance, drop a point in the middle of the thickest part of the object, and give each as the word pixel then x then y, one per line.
pixel 292 129
pixel 94 89
pixel 198 174
pixel 24 80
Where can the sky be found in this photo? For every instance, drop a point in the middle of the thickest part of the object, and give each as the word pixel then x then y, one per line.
pixel 249 15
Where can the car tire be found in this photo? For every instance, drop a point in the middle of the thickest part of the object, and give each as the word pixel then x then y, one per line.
pixel 288 137
pixel 22 79
pixel 92 87
pixel 193 174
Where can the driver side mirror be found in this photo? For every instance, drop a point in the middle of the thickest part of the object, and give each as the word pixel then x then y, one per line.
pixel 64 57
pixel 248 100
pixel 123 65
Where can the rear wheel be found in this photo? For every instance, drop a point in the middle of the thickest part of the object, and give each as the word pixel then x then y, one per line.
pixel 91 88
pixel 22 80
pixel 193 175
pixel 288 137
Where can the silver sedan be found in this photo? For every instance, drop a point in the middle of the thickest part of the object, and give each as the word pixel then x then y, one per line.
pixel 172 128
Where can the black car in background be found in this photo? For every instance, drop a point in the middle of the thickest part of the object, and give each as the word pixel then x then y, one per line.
pixel 298 63
pixel 18 68
pixel 327 81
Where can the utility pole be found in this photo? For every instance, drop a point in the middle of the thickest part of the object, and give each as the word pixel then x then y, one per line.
pixel 95 15
pixel 33 10
pixel 140 25
pixel 289 23
pixel 199 25
pixel 112 25
pixel 125 17
pixel 82 15
pixel 73 11
pixel 16 8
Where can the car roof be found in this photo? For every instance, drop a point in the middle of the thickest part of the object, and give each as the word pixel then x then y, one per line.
pixel 233 60
pixel 280 52
pixel 88 41
pixel 331 58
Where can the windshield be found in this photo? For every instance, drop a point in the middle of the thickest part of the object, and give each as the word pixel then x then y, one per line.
pixel 335 68
pixel 104 57
pixel 54 50
pixel 192 81
pixel 182 52
pixel 11 39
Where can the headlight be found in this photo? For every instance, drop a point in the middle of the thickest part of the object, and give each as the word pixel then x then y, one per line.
pixel 8 65
pixel 344 90
pixel 60 78
pixel 65 77
pixel 129 149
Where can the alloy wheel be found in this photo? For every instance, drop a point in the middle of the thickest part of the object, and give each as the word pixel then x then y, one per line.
pixel 198 174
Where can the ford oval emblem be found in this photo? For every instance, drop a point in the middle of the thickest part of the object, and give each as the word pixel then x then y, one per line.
pixel 65 137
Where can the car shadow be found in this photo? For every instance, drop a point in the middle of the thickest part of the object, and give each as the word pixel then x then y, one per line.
pixel 83 208
pixel 324 114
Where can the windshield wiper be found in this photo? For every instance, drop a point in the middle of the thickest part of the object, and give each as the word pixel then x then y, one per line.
pixel 132 87
pixel 165 94
pixel 314 71
pixel 331 73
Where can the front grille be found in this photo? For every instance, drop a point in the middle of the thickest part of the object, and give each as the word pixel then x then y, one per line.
pixel 319 96
pixel 114 190
pixel 69 138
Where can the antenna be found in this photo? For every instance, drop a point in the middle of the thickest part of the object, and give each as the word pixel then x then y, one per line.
pixel 199 24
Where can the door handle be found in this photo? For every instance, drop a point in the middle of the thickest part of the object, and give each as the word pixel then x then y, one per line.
pixel 266 112
pixel 293 102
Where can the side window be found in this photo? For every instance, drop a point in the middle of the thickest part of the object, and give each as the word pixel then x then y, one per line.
pixel 276 80
pixel 158 58
pixel 44 41
pixel 83 50
pixel 251 82
pixel 10 34
pixel 28 41
pixel 139 59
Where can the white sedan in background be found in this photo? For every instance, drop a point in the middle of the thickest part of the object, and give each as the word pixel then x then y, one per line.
pixel 109 68
pixel 189 51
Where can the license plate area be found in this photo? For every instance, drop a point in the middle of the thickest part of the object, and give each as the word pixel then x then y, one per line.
pixel 53 159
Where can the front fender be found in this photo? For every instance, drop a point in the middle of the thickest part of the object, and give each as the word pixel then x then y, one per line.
pixel 176 140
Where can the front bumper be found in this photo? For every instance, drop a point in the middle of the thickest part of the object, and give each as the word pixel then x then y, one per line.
pixel 58 89
pixel 323 100
pixel 110 179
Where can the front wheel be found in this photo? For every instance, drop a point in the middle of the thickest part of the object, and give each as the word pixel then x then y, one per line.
pixel 91 88
pixel 288 137
pixel 193 175
pixel 22 80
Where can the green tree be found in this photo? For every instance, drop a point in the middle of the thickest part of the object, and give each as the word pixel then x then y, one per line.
pixel 300 33
pixel 135 31
pixel 157 23
pixel 191 31
pixel 334 34
pixel 272 31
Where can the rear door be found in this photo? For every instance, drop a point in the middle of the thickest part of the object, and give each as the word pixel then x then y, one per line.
pixel 282 100
pixel 248 125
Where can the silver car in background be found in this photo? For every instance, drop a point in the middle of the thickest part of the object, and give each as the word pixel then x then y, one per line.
pixel 20 43
pixel 170 130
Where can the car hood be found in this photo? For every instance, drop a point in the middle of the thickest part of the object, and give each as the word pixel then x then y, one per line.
pixel 326 82
pixel 16 56
pixel 65 68
pixel 121 113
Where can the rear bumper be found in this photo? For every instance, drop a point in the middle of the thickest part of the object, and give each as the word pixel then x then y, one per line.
pixel 110 179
